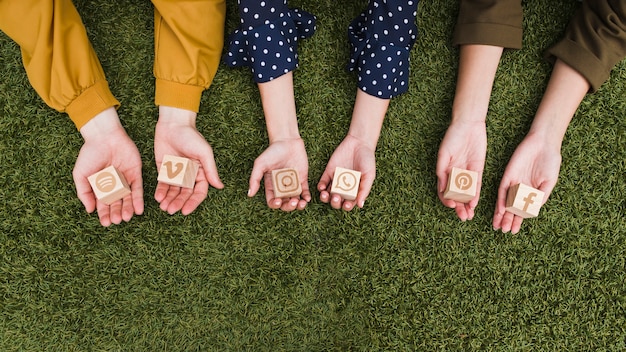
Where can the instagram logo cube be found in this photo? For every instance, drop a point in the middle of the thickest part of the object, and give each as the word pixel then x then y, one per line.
pixel 524 201
pixel 109 185
pixel 286 183
pixel 462 185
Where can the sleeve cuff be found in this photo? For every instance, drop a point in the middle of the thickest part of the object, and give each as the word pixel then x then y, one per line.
pixel 91 102
pixel 488 34
pixel 178 95
pixel 581 60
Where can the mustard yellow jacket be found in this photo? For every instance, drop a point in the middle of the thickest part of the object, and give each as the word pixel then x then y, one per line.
pixel 65 71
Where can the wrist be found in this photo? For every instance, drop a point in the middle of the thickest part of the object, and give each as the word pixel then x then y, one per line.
pixel 177 117
pixel 103 125
pixel 548 139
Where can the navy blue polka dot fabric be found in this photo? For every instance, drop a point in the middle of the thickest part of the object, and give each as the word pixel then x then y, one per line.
pixel 267 39
pixel 381 38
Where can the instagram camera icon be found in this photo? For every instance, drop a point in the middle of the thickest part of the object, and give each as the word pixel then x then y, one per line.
pixel 286 183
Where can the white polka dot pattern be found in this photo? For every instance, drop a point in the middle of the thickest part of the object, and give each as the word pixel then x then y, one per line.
pixel 267 39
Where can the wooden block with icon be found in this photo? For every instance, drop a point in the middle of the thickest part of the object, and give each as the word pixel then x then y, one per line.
pixel 346 183
pixel 178 171
pixel 462 185
pixel 109 185
pixel 286 183
pixel 524 201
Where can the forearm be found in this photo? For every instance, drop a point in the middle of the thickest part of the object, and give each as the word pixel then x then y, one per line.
pixel 61 64
pixel 367 118
pixel 565 91
pixel 189 38
pixel 279 106
pixel 477 70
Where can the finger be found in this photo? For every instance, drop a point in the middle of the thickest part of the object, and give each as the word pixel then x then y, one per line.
pixel 517 224
pixel 367 180
pixel 289 204
pixel 348 205
pixel 306 193
pixel 325 179
pixel 84 192
pixel 172 193
pixel 302 204
pixel 507 222
pixel 127 210
pixel 210 170
pixel 442 170
pixel 335 201
pixel 324 196
pixel 461 211
pixel 161 191
pixel 115 209
pixel 200 192
pixel 136 192
pixel 177 203
pixel 258 173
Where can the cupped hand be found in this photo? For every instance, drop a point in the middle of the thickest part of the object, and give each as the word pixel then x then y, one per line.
pixel 285 153
pixel 176 134
pixel 535 163
pixel 352 153
pixel 464 146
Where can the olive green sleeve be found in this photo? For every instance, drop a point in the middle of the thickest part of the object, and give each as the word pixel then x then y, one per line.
pixel 595 40
pixel 489 22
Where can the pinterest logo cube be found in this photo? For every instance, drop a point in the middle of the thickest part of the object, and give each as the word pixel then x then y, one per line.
pixel 346 183
pixel 524 201
pixel 286 183
pixel 109 185
pixel 462 185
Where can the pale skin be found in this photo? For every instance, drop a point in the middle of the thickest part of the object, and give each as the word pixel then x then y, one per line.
pixel 536 161
pixel 106 143
pixel 356 151
pixel 176 134
pixel 286 148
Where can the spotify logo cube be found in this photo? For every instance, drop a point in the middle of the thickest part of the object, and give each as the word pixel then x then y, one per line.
pixel 286 183
pixel 462 185
pixel 109 185
pixel 346 183
pixel 524 201
pixel 178 171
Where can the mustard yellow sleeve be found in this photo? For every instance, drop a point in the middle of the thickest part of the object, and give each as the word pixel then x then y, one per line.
pixel 60 62
pixel 188 42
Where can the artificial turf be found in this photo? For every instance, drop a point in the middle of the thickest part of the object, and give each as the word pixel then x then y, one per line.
pixel 403 273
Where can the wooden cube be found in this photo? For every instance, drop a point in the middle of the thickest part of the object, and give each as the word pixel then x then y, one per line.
pixel 524 201
pixel 346 183
pixel 109 185
pixel 462 185
pixel 178 171
pixel 286 183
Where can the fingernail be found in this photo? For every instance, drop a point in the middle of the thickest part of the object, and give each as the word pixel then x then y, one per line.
pixel 249 191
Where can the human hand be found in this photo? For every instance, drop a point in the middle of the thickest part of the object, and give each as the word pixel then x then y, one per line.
pixel 464 146
pixel 352 153
pixel 176 134
pixel 280 154
pixel 536 163
pixel 106 143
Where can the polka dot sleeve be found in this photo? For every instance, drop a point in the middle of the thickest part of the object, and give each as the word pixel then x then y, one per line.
pixel 381 39
pixel 267 38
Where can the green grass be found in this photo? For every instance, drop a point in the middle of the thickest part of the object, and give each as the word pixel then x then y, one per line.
pixel 401 274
